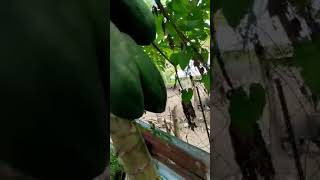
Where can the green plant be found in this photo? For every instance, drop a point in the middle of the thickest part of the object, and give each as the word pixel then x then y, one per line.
pixel 116 168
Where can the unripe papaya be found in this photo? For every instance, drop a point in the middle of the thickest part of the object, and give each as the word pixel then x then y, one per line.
pixel 53 114
pixel 134 18
pixel 135 82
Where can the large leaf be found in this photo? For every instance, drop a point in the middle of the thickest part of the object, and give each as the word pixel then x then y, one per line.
pixel 178 7
pixel 186 95
pixel 206 82
pixel 204 54
pixel 181 58
pixel 159 21
pixel 188 25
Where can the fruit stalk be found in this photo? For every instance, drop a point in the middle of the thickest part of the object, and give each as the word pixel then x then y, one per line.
pixel 131 150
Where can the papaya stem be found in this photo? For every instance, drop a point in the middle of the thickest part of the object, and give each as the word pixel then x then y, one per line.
pixel 132 150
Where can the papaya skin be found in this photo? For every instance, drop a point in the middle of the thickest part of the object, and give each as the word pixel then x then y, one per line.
pixel 135 82
pixel 126 96
pixel 53 112
pixel 134 18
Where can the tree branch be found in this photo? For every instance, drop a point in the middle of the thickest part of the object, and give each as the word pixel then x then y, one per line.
pixel 165 57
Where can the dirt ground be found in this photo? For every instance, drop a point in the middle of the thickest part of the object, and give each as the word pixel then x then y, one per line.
pixel 198 137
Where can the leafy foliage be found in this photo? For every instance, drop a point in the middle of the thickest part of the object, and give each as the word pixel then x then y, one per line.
pixel 182 33
pixel 206 81
pixel 115 167
pixel 186 95
pixel 181 58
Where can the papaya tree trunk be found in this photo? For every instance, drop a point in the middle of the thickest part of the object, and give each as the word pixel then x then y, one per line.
pixel 131 150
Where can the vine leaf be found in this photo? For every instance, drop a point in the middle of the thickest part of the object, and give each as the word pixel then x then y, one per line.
pixel 190 25
pixel 205 79
pixel 205 54
pixel 178 7
pixel 181 58
pixel 160 32
pixel 174 59
pixel 186 95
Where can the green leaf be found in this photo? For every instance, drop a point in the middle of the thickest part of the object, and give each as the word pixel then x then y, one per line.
pixel 178 7
pixel 174 59
pixel 160 33
pixel 205 4
pixel 181 58
pixel 205 79
pixel 204 54
pixel 196 14
pixel 186 95
pixel 185 25
pixel 115 166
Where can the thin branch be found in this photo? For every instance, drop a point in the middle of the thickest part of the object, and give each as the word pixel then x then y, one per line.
pixel 159 50
pixel 202 110
pixel 165 57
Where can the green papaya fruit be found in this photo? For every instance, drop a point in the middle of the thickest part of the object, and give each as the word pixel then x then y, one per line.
pixel 155 94
pixel 134 18
pixel 126 96
pixel 53 110
pixel 135 82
